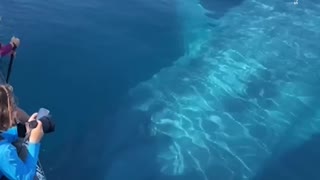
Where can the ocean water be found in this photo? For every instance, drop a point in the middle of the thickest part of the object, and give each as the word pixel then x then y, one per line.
pixel 79 59
pixel 152 90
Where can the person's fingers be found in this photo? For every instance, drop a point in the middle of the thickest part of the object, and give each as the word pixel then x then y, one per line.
pixel 28 127
pixel 33 117
pixel 39 125
pixel 17 41
pixel 13 53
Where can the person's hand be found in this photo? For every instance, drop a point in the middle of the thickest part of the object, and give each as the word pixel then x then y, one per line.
pixel 36 133
pixel 13 53
pixel 15 41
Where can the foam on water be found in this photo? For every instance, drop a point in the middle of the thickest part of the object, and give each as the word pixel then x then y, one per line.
pixel 250 83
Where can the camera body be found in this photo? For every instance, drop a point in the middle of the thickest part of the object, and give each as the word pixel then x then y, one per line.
pixel 47 124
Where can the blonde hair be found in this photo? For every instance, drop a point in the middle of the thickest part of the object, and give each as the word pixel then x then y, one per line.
pixel 7 107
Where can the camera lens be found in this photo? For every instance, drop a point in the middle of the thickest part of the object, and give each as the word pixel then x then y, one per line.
pixel 47 124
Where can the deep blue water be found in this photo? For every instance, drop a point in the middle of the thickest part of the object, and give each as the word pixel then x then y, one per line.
pixel 79 59
pixel 87 61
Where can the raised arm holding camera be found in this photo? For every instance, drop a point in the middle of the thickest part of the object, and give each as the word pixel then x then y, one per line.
pixel 20 134
pixel 11 166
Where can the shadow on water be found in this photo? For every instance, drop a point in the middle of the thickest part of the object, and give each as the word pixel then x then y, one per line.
pixel 300 163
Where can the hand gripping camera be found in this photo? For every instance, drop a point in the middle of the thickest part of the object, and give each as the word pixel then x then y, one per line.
pixel 47 124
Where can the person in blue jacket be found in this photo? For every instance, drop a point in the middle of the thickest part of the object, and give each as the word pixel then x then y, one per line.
pixel 11 166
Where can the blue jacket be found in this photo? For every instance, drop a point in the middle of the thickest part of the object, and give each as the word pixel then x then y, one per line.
pixel 11 166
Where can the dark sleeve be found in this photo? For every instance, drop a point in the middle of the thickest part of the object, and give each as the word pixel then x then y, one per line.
pixel 22 115
pixel 5 50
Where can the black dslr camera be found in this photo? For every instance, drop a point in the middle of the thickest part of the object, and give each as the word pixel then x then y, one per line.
pixel 47 124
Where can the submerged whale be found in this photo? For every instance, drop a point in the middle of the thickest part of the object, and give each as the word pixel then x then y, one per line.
pixel 240 91
pixel 245 89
